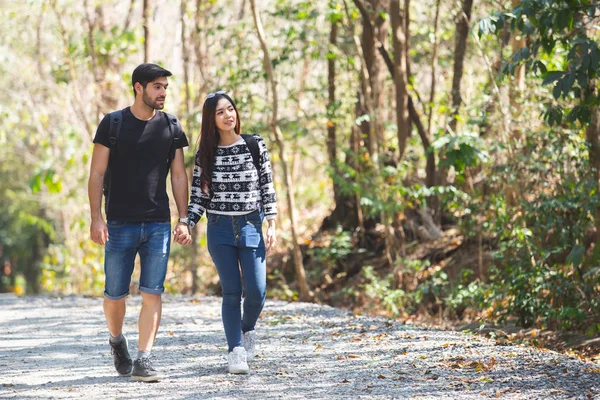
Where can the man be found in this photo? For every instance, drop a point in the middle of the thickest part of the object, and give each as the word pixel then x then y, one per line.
pixel 135 151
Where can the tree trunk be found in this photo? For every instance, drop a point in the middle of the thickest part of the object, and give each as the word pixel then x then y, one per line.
pixel 147 22
pixel 305 292
pixel 365 50
pixel 371 78
pixel 331 139
pixel 192 266
pixel 339 215
pixel 460 49
pixel 202 56
pixel 517 87
pixel 400 76
pixel 407 37
pixel 108 100
pixel 375 31
pixel 434 61
pixel 592 134
pixel 377 75
pixel 518 42
pixel 415 120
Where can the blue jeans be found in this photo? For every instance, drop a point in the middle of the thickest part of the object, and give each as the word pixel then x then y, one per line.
pixel 235 241
pixel 152 240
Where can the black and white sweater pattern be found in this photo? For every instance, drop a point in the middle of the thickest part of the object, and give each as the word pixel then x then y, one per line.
pixel 237 187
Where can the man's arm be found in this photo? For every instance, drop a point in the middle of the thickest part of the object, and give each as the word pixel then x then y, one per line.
pixel 179 183
pixel 98 229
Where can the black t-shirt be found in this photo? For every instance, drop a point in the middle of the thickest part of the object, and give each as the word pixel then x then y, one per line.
pixel 139 168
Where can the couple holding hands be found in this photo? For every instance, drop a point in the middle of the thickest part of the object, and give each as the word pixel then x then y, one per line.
pixel 134 150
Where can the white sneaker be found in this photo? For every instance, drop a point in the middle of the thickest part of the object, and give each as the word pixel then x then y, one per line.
pixel 237 361
pixel 249 340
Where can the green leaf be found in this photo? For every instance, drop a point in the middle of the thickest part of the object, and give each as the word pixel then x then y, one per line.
pixel 568 82
pixel 35 183
pixel 557 90
pixel 521 54
pixel 576 256
pixel 485 27
pixel 564 19
pixel 595 58
pixel 552 76
pixel 539 65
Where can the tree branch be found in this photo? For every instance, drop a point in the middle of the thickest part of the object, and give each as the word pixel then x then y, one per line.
pixel 414 115
pixel 364 12
pixel 128 18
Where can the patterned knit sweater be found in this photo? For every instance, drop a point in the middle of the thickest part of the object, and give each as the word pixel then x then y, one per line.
pixel 237 187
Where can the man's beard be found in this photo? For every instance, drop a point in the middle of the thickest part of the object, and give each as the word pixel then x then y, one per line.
pixel 152 104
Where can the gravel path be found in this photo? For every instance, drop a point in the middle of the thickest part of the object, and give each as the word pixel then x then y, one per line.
pixel 57 348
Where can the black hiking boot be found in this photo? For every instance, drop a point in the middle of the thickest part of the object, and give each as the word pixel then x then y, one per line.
pixel 121 358
pixel 144 371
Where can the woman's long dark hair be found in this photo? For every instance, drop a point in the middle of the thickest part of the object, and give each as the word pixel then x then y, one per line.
pixel 209 139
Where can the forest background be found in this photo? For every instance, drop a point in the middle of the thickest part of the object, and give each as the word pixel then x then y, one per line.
pixel 435 159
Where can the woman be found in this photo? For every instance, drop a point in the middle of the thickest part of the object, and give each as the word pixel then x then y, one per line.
pixel 233 183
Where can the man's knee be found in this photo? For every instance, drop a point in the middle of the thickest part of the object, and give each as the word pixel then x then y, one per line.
pixel 151 299
pixel 114 302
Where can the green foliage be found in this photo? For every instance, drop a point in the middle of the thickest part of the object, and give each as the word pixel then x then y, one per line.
pixel 542 272
pixel 463 150
pixel 114 45
pixel 560 51
pixel 474 295
pixel 381 292
pixel 341 246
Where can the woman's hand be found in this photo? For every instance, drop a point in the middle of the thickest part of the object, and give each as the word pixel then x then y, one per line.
pixel 181 234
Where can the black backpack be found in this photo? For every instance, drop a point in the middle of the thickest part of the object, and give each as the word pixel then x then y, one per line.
pixel 252 144
pixel 116 117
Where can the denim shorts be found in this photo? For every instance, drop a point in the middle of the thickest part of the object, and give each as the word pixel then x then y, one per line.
pixel 152 241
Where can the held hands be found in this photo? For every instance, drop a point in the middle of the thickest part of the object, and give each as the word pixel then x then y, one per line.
pixel 271 238
pixel 99 231
pixel 181 234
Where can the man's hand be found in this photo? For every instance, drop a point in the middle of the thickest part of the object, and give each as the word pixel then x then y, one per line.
pixel 181 234
pixel 99 231
pixel 271 238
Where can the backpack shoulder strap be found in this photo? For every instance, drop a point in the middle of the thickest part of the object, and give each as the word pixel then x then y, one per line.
pixel 176 132
pixel 116 117
pixel 252 144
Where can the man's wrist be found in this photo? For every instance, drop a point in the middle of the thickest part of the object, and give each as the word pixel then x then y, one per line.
pixel 183 220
